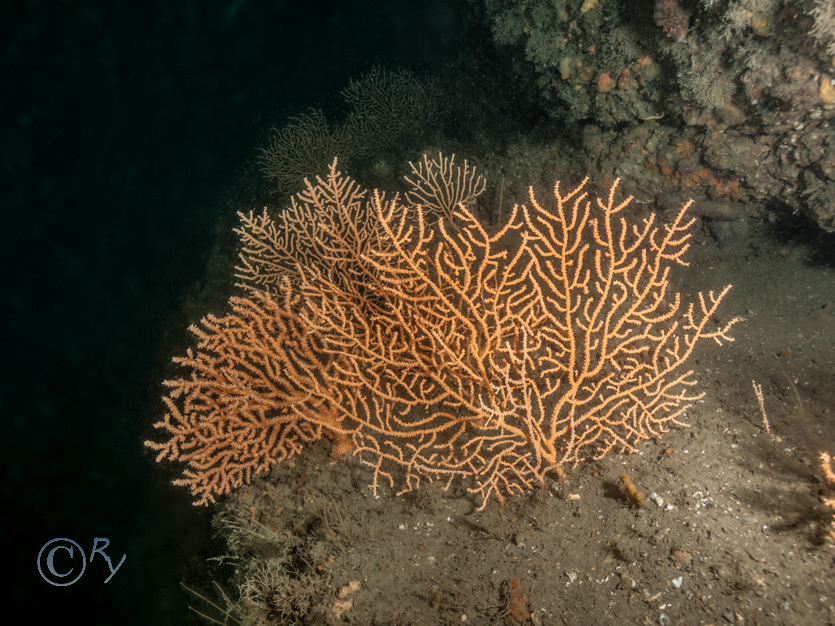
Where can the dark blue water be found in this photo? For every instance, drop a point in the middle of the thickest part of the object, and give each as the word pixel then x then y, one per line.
pixel 122 126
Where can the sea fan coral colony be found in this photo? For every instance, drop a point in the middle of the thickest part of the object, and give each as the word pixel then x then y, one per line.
pixel 434 350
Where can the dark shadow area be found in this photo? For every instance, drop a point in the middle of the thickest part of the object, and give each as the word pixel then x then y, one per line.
pixel 789 228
